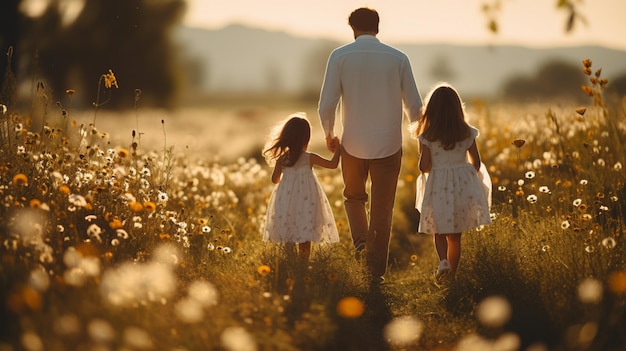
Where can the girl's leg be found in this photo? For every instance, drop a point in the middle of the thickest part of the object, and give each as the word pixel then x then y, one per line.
pixel 454 250
pixel 305 250
pixel 441 245
pixel 290 249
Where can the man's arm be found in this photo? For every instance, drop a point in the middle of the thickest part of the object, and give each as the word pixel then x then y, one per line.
pixel 329 98
pixel 410 94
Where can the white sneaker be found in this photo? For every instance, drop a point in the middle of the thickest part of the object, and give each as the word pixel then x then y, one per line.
pixel 444 270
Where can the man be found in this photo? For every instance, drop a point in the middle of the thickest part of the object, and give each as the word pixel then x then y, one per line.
pixel 372 80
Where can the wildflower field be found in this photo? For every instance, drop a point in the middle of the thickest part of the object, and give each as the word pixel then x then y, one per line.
pixel 150 240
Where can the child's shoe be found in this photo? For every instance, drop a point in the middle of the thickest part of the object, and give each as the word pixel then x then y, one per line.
pixel 443 271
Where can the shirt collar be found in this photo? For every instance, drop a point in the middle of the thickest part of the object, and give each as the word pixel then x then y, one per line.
pixel 366 37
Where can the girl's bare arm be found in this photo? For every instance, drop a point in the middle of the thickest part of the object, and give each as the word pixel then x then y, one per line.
pixel 317 160
pixel 425 162
pixel 474 156
pixel 278 171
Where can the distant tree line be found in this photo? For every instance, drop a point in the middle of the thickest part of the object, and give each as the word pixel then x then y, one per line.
pixel 129 37
pixel 556 79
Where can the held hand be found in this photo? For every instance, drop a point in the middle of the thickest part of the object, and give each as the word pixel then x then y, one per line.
pixel 332 143
pixel 337 145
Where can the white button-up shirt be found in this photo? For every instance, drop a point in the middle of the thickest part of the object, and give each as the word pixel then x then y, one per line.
pixel 373 81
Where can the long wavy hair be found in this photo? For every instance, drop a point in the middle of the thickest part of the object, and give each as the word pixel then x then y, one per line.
pixel 443 117
pixel 288 140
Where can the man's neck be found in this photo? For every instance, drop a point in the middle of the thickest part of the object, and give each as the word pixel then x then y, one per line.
pixel 358 33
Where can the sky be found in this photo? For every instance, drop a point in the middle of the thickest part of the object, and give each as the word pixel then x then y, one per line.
pixel 534 23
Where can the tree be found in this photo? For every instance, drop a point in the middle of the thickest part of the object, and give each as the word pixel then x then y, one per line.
pixel 9 36
pixel 129 37
pixel 553 79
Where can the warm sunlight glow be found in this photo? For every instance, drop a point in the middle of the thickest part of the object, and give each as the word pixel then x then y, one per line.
pixel 525 22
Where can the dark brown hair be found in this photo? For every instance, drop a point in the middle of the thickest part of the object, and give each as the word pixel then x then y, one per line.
pixel 443 119
pixel 292 139
pixel 364 19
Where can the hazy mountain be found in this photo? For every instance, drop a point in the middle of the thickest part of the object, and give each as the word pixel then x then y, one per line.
pixel 239 58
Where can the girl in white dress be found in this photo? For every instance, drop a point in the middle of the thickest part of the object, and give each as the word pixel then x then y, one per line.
pixel 454 189
pixel 298 210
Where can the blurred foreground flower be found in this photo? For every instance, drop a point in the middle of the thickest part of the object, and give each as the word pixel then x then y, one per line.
pixel 403 330
pixel 590 291
pixel 617 282
pixel 138 339
pixel 494 311
pixel 474 342
pixel 350 307
pixel 237 339
pixel 134 282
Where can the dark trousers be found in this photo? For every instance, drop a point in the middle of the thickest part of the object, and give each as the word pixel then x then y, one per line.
pixel 374 233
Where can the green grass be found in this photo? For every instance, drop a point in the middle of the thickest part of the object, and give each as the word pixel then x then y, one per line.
pixel 154 248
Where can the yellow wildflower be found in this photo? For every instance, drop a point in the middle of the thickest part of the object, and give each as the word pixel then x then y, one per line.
pixel 110 80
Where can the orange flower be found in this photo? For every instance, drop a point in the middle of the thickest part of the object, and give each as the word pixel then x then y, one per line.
pixel 350 307
pixel 20 179
pixel 115 223
pixel 35 203
pixel 264 270
pixel 135 206
pixel 64 189
pixel 123 153
pixel 149 206
pixel 617 282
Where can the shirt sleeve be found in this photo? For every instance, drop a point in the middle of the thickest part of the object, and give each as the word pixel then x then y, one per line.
pixel 410 93
pixel 329 96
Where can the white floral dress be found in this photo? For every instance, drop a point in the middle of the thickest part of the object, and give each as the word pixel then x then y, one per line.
pixel 298 209
pixel 452 197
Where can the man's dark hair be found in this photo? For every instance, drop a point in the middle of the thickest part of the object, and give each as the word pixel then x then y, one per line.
pixel 364 19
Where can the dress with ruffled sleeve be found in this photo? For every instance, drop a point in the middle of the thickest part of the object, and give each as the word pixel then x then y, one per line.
pixel 453 197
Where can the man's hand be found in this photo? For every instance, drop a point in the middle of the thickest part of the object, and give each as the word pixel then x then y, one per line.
pixel 332 143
